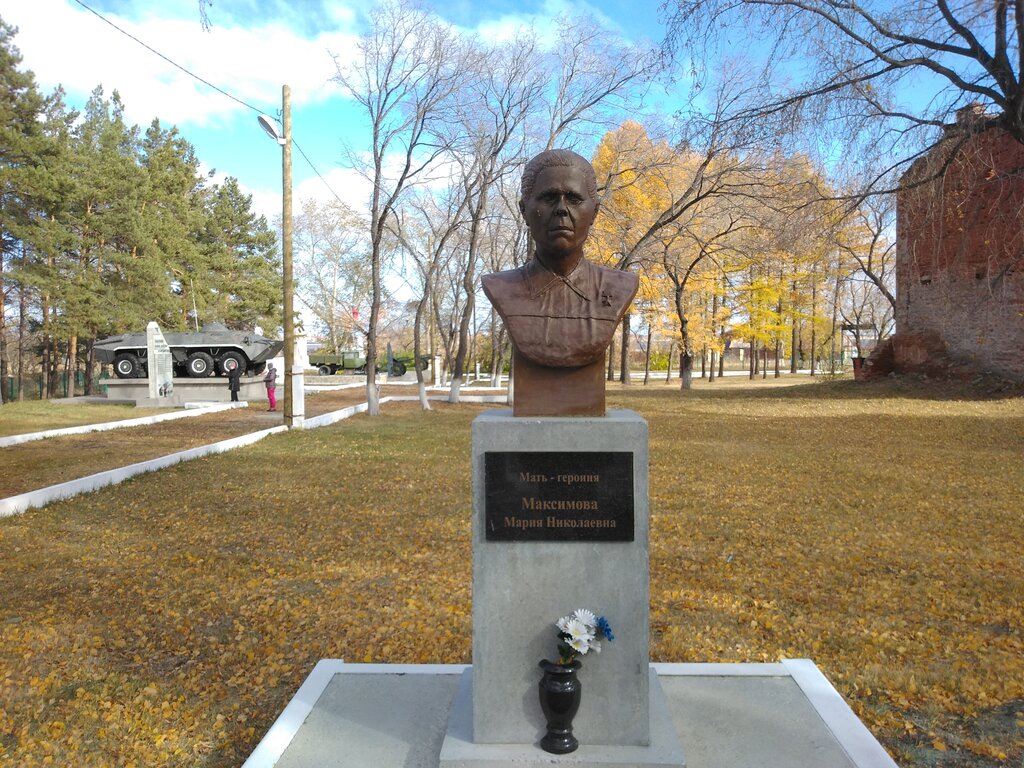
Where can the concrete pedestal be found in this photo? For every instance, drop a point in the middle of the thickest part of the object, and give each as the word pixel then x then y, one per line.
pixel 520 588
pixel 458 750
pixel 186 390
pixel 784 715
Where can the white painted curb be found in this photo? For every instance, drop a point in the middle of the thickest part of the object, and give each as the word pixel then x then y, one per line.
pixel 333 417
pixel 853 736
pixel 444 398
pixel 191 410
pixel 330 387
pixel 281 733
pixel 16 504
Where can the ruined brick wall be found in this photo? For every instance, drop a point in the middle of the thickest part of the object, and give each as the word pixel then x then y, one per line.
pixel 960 250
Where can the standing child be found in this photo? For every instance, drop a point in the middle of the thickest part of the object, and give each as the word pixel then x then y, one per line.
pixel 235 382
pixel 271 381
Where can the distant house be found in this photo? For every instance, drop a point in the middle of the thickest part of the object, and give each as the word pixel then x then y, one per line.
pixel 960 254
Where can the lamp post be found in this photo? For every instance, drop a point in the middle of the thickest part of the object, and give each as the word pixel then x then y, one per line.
pixel 294 405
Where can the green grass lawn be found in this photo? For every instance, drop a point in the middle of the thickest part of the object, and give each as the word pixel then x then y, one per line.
pixel 874 529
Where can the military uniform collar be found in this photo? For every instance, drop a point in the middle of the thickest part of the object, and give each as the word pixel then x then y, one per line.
pixel 539 279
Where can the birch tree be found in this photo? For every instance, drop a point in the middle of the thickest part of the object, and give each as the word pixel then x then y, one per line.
pixel 408 67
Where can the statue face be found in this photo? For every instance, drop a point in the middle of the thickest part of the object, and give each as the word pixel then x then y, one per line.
pixel 559 212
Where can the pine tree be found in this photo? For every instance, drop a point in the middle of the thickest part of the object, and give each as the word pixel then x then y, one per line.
pixel 21 143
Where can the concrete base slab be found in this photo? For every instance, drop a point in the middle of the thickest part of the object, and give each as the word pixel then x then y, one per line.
pixel 212 389
pixel 459 751
pixel 784 715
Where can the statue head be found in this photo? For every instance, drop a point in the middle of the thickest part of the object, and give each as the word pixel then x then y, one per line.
pixel 557 157
pixel 559 204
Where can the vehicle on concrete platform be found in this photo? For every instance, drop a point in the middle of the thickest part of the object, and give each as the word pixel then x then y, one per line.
pixel 214 350
pixel 330 363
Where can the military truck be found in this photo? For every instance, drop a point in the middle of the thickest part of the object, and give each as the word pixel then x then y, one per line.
pixel 214 350
pixel 329 363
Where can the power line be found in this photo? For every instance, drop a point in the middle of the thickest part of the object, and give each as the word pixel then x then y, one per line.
pixel 169 61
pixel 330 189
pixel 207 83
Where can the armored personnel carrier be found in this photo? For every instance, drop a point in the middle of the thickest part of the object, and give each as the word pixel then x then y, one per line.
pixel 214 350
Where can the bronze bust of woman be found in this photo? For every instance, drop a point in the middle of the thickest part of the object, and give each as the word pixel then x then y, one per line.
pixel 561 311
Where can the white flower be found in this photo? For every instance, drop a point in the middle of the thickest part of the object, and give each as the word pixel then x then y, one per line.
pixel 586 617
pixel 562 623
pixel 578 630
pixel 595 646
pixel 579 644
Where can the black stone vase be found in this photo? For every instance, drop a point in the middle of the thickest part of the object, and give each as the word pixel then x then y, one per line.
pixel 560 692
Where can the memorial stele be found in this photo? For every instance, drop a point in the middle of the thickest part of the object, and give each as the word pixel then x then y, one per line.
pixel 560 506
pixel 161 363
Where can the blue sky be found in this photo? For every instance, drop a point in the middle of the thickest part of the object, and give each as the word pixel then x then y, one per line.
pixel 252 48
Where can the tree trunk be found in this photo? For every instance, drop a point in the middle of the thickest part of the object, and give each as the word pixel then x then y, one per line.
pixel 668 370
pixel 4 363
pixel 459 367
pixel 704 362
pixel 90 365
pixel 611 360
pixel 624 361
pixel 22 341
pixel 814 325
pixel 495 377
pixel 764 362
pixel 71 368
pixel 417 348
pixel 794 340
pixel 714 315
pixel 469 287
pixel 44 375
pixel 832 335
pixel 372 390
pixel 510 397
pixel 647 355
pixel 685 370
pixel 753 359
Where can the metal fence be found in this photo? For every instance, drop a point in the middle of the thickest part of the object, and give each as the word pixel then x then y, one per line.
pixel 33 386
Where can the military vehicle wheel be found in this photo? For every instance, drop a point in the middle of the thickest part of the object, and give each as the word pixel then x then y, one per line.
pixel 200 365
pixel 397 368
pixel 126 366
pixel 324 370
pixel 259 368
pixel 423 364
pixel 229 361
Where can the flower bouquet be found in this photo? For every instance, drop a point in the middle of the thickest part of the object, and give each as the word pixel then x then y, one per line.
pixel 579 633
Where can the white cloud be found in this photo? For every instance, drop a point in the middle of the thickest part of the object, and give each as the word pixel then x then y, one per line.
pixel 544 22
pixel 350 186
pixel 65 44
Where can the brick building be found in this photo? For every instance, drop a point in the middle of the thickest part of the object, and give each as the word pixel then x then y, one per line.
pixel 960 254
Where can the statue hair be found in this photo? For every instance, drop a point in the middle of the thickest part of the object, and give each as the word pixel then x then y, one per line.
pixel 557 157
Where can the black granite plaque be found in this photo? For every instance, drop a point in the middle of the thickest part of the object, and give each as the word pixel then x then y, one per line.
pixel 553 496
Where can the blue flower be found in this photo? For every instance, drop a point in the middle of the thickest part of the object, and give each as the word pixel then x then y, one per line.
pixel 605 627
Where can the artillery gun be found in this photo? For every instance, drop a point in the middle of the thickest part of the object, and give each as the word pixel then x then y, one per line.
pixel 214 350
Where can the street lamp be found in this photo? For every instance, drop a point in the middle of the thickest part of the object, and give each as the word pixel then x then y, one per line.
pixel 294 404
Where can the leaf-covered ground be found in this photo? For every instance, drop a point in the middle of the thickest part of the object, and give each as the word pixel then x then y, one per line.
pixel 875 529
pixel 28 466
pixel 39 415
